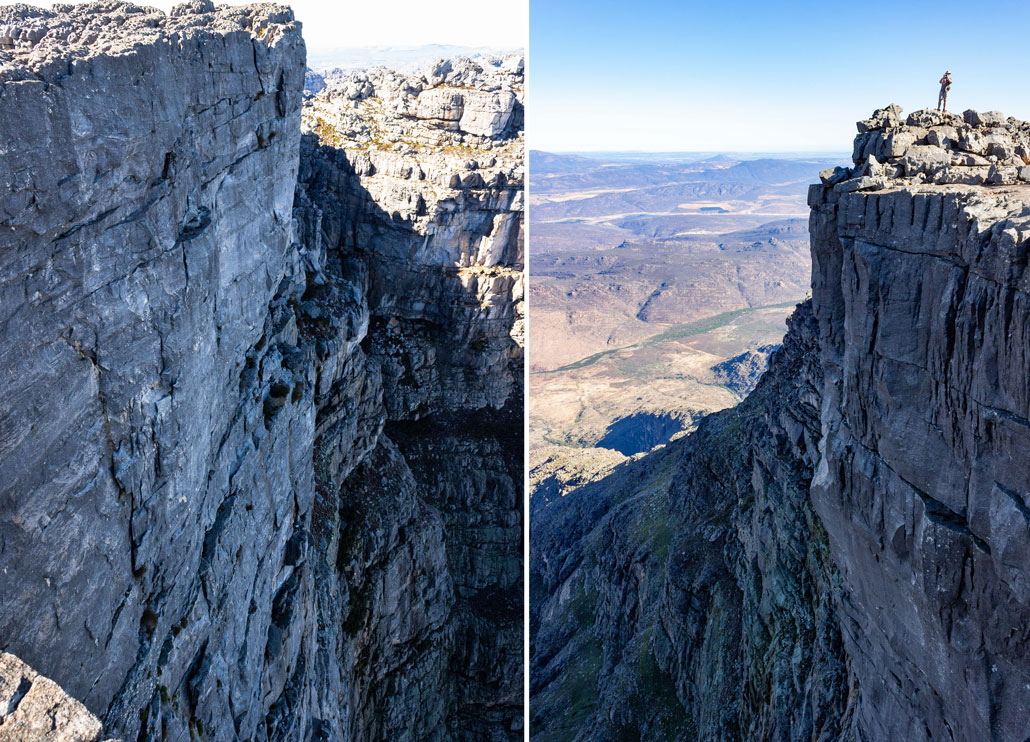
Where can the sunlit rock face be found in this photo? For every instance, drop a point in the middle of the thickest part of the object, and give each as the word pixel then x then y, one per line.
pixel 841 555
pixel 204 529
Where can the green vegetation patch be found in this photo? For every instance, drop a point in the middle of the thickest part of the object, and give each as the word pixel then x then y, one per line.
pixel 676 332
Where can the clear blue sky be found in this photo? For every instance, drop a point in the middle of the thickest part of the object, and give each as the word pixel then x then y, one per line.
pixel 671 75
pixel 331 24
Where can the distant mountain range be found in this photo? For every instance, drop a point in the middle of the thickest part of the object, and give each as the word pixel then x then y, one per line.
pixel 401 58
pixel 577 160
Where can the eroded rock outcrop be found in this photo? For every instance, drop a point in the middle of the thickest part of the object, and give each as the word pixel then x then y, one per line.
pixel 427 220
pixel 35 709
pixel 840 556
pixel 205 529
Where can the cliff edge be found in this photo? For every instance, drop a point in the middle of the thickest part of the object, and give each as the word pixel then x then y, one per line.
pixel 838 557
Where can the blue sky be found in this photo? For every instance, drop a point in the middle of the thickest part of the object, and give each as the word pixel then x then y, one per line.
pixel 332 24
pixel 657 75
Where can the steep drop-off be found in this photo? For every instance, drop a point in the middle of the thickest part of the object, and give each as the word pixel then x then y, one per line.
pixel 260 439
pixel 843 555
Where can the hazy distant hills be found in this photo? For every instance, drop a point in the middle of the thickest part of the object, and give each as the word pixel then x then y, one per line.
pixel 401 58
pixel 653 279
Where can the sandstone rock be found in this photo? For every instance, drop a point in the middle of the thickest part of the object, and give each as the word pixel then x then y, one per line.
pixel 35 709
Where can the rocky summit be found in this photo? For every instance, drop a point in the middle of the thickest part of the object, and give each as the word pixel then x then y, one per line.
pixel 261 430
pixel 842 556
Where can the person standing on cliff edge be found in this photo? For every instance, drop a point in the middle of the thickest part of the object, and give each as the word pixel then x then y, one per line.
pixel 942 99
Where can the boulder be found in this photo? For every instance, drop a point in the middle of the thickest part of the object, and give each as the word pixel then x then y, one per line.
pixel 833 176
pixel 882 118
pixel 989 118
pixel 925 158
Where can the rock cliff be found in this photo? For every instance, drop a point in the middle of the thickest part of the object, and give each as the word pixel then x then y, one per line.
pixel 840 556
pixel 260 443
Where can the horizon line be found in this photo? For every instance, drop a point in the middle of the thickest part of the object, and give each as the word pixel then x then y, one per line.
pixel 686 151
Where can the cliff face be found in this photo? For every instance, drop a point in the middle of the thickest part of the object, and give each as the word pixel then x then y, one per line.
pixel 422 212
pixel 839 557
pixel 204 529
pixel 920 288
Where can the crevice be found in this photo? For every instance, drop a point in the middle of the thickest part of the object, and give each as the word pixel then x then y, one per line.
pixel 24 686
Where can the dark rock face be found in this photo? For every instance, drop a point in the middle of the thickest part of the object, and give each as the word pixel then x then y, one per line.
pixel 838 556
pixel 921 292
pixel 204 529
pixel 689 593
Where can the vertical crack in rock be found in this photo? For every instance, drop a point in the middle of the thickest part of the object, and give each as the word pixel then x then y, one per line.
pixel 843 555
pixel 260 452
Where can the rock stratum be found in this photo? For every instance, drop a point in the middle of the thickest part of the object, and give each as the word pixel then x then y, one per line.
pixel 842 556
pixel 261 429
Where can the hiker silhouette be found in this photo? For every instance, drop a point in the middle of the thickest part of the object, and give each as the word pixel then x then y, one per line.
pixel 942 99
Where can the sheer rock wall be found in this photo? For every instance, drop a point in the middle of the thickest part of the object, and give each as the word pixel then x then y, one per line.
pixel 204 530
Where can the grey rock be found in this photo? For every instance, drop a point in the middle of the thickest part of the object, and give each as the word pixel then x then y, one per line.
pixel 193 7
pixel 863 183
pixel 924 159
pixel 999 175
pixel 313 82
pixel 929 119
pixel 943 136
pixel 974 175
pixel 990 118
pixel 903 273
pixel 261 443
pixel 882 118
pixel 833 176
